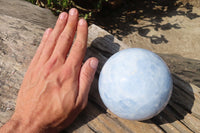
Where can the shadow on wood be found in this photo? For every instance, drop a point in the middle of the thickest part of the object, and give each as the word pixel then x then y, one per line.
pixel 124 20
pixel 180 104
pixel 179 113
pixel 100 49
pixel 95 107
pixel 182 112
pixel 185 68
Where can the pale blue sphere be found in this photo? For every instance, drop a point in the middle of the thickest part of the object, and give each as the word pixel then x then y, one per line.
pixel 135 84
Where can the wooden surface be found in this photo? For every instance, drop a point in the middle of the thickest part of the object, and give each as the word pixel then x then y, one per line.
pixel 24 10
pixel 182 114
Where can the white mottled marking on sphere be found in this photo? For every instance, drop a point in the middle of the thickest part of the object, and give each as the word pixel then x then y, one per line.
pixel 135 84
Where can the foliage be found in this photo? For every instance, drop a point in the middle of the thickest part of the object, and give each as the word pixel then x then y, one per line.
pixel 58 6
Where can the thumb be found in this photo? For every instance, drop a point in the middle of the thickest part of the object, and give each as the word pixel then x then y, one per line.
pixel 85 80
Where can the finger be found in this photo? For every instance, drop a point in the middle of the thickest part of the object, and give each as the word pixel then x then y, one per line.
pixel 66 38
pixel 78 49
pixel 41 46
pixel 51 42
pixel 86 77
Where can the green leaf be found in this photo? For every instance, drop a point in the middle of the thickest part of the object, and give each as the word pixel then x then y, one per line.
pixel 64 5
pixel 48 2
pixel 55 2
pixel 86 16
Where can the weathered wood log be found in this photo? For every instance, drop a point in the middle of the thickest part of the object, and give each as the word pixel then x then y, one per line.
pixel 185 98
pixel 17 47
pixel 18 39
pixel 25 10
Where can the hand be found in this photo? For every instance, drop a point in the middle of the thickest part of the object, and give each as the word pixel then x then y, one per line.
pixel 55 88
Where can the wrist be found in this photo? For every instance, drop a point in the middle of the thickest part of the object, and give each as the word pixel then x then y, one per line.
pixel 29 126
pixel 19 126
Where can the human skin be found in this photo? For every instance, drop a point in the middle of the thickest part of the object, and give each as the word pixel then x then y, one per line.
pixel 55 88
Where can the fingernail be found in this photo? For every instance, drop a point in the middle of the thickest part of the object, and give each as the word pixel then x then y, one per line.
pixel 73 11
pixel 82 22
pixel 47 31
pixel 94 63
pixel 63 16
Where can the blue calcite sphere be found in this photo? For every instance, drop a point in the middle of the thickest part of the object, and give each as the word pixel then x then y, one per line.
pixel 135 84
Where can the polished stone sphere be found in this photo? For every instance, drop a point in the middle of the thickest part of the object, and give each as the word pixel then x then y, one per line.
pixel 135 84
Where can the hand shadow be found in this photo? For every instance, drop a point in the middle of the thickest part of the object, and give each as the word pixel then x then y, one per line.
pixel 101 48
pixel 180 104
